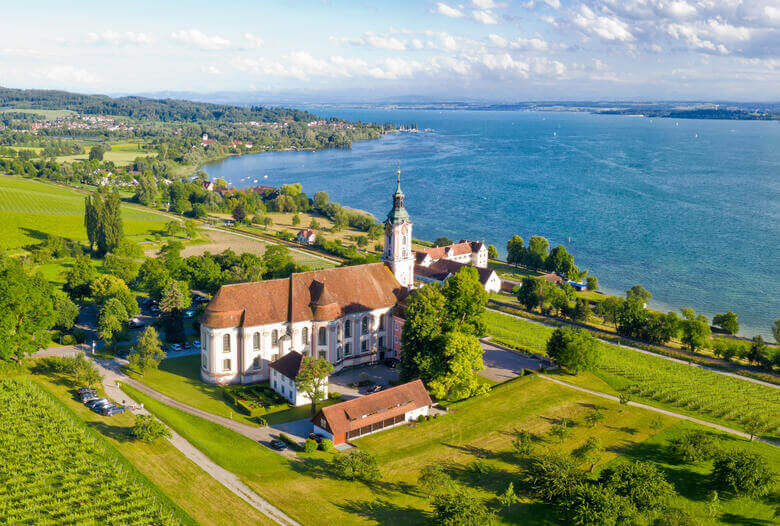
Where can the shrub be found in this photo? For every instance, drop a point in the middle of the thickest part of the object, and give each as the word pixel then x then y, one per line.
pixel 552 477
pixel 148 429
pixel 523 443
pixel 326 445
pixel 460 508
pixel 694 446
pixel 594 504
pixel 334 395
pixel 356 465
pixel 68 339
pixel 290 442
pixel 641 483
pixel 310 446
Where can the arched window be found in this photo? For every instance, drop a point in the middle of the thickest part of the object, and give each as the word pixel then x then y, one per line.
pixel 275 338
pixel 381 323
pixel 256 341
pixel 226 343
pixel 364 325
pixel 257 363
pixel 305 336
pixel 322 337
pixel 348 329
pixel 204 360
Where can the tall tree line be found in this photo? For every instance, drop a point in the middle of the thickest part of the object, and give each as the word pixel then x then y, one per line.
pixel 103 220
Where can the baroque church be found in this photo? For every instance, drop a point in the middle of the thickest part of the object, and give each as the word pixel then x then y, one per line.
pixel 346 315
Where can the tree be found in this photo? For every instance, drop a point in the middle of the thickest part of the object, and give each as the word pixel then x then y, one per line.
pixel 107 287
pixel 581 310
pixel 642 483
pixel 589 453
pixel 758 352
pixel 111 320
pixel 146 192
pixel 313 378
pixel 278 262
pixel 80 276
pixel 492 252
pixel 26 310
pixel 356 465
pixel 592 282
pixel 558 300
pixel 442 241
pixel 742 473
pixel 460 507
pixel 537 251
pixel 560 432
pixel 639 294
pixel 508 497
pixel 147 352
pixel 321 200
pixel 515 252
pixel 173 302
pixel 296 220
pixel 96 153
pixel 776 330
pixel 530 293
pixel 434 479
pixel 148 429
pixel 575 349
pixel 756 425
pixel 523 443
pixel 553 477
pixel 109 220
pixel 91 219
pixel 695 330
pixel 609 309
pixel 375 231
pixel 694 447
pixel 460 357
pixel 65 311
pixel 465 300
pixel 726 321
pixel 594 505
pixel 561 262
pixel 239 212
pixel 595 417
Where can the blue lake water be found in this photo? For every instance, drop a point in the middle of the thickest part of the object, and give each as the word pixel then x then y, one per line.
pixel 689 209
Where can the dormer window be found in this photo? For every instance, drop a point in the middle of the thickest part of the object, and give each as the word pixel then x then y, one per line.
pixel 347 329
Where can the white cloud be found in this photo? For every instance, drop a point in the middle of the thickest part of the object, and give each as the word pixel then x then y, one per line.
pixel 67 75
pixel 486 17
pixel 371 40
pixel 529 44
pixel 115 37
pixel 497 40
pixel 200 40
pixel 416 43
pixel 555 4
pixel 605 27
pixel 444 9
pixel 679 9
pixel 484 4
pixel 253 40
pixel 211 70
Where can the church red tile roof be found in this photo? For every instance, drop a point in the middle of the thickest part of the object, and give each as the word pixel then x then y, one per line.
pixel 357 288
pixel 365 410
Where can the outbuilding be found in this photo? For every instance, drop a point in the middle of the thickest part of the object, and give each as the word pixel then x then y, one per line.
pixel 374 412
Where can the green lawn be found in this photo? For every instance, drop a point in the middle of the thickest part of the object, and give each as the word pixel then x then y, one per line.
pixel 186 484
pixel 477 429
pixel 518 333
pixel 30 209
pixel 121 156
pixel 49 114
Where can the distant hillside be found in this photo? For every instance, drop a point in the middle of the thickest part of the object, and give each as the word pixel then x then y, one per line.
pixel 142 108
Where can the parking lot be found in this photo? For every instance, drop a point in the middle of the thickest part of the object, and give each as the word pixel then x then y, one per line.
pixel 345 382
pixel 502 365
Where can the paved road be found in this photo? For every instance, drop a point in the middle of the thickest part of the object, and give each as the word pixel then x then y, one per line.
pixel 642 351
pixel 729 430
pixel 502 365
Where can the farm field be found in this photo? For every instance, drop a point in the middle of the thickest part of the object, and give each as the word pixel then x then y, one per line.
pixel 207 501
pixel 678 387
pixel 478 430
pixel 55 471
pixel 30 209
pixel 49 114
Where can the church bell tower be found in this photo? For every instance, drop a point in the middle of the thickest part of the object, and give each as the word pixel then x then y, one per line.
pixel 398 253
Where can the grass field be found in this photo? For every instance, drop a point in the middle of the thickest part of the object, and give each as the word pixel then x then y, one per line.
pixel 121 156
pixel 49 114
pixel 186 484
pixel 30 209
pixel 479 429
pixel 663 383
pixel 179 378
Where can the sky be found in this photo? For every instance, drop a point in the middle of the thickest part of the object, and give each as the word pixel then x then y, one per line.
pixel 358 50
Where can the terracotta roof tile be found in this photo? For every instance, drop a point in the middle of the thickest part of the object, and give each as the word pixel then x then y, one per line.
pixel 349 289
pixel 444 268
pixel 289 365
pixel 358 412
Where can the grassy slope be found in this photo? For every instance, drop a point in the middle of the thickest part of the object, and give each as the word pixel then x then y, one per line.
pixel 205 499
pixel 480 428
pixel 29 209
pixel 179 378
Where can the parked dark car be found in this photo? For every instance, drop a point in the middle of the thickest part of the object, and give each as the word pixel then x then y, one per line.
pixel 392 363
pixel 135 323
pixel 89 397
pixel 84 390
pixel 316 436
pixel 94 404
pixel 279 445
pixel 112 410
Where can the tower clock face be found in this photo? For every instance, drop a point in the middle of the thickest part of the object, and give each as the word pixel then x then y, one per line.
pixel 404 230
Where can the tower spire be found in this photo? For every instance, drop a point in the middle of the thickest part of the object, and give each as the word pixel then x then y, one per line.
pixel 398 179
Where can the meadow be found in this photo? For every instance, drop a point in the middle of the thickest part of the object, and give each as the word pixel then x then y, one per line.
pixel 473 442
pixel 31 209
pixel 671 385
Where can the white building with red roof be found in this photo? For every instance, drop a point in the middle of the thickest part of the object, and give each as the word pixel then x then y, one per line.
pixel 472 253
